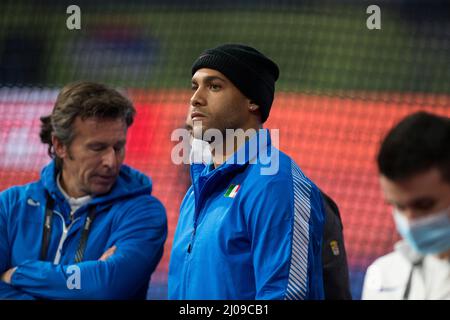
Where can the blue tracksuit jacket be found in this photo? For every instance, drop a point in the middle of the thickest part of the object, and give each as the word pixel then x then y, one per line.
pixel 245 235
pixel 128 217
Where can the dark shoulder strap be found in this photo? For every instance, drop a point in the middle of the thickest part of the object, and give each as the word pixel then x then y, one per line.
pixel 47 227
pixel 84 235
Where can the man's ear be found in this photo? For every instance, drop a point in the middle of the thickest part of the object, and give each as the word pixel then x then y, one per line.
pixel 60 149
pixel 253 106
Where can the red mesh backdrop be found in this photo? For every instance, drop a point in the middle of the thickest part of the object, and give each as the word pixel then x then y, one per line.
pixel 342 85
pixel 334 140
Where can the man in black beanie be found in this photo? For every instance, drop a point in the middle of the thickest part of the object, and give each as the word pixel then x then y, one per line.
pixel 249 70
pixel 245 231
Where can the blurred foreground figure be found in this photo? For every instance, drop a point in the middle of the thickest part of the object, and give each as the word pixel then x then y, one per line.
pixel 414 165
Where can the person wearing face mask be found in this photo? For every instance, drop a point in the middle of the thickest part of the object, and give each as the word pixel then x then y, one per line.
pixel 414 166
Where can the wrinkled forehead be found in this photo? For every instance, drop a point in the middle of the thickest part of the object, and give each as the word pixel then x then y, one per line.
pixel 100 127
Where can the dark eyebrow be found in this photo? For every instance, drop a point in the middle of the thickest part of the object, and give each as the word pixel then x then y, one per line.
pixel 209 79
pixel 212 78
pixel 104 144
pixel 121 142
pixel 96 144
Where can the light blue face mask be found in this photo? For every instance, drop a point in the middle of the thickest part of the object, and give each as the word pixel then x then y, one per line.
pixel 428 235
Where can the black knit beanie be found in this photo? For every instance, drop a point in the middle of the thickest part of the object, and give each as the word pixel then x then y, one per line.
pixel 248 69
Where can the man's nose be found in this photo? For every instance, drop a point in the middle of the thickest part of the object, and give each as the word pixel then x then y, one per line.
pixel 109 158
pixel 198 98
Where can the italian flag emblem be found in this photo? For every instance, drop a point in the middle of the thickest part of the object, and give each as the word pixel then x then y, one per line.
pixel 232 190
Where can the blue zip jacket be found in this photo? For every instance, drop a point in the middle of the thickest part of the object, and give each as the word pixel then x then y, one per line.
pixel 245 235
pixel 127 217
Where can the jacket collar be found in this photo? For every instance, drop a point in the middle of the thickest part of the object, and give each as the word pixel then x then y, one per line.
pixel 251 152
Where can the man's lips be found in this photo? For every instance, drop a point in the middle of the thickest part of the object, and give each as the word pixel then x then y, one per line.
pixel 104 179
pixel 197 116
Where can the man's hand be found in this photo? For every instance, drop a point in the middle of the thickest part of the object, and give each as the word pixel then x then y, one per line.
pixel 6 277
pixel 108 253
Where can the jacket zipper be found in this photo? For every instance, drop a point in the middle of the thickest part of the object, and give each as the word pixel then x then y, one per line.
pixel 192 240
pixel 197 213
pixel 63 236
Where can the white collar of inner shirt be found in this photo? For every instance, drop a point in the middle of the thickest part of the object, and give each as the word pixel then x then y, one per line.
pixel 74 203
